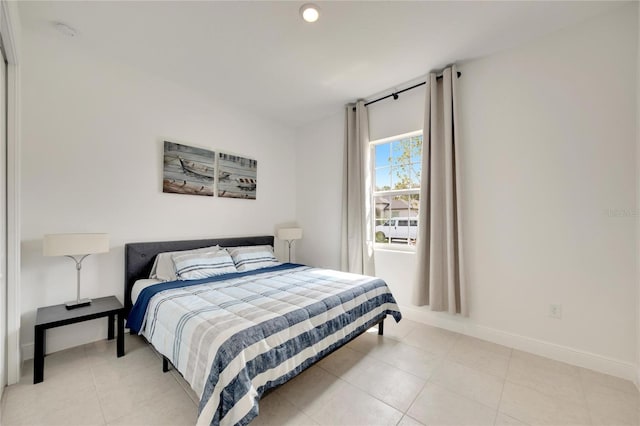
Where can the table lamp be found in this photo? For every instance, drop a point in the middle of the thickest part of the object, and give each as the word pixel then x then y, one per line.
pixel 76 247
pixel 289 235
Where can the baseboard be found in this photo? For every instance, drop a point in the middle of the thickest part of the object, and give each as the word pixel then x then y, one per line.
pixel 614 367
pixel 28 349
pixel 580 358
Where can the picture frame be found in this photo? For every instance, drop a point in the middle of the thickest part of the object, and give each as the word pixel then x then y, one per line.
pixel 188 170
pixel 237 176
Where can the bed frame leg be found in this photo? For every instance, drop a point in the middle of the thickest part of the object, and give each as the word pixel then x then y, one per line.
pixel 381 327
pixel 165 364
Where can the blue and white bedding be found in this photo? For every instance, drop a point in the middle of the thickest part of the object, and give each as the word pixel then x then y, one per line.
pixel 234 336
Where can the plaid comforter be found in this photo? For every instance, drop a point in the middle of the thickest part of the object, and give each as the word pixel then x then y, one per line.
pixel 236 337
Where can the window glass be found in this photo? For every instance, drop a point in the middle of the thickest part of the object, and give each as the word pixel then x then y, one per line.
pixel 397 166
pixel 402 230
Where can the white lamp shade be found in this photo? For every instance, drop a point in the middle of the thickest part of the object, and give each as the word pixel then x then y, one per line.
pixel 289 234
pixel 75 244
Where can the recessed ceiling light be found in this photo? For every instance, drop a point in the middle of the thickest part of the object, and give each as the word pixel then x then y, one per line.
pixel 310 12
pixel 64 29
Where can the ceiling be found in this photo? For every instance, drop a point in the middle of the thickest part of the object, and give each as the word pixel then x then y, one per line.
pixel 262 57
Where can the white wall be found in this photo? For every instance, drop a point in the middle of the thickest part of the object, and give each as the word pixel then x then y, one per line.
pixel 395 117
pixel 319 160
pixel 549 183
pixel 92 162
pixel 549 164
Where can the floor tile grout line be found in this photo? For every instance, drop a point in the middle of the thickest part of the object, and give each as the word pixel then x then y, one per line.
pixel 308 414
pixel 143 401
pixel 412 418
pixel 367 355
pixel 444 386
pixel 376 398
pixel 401 369
pixel 384 402
pixel 584 394
pixel 461 395
pixel 440 360
pixel 349 384
pixel 406 413
pixel 504 383
pixel 296 405
pixel 583 381
pixel 564 400
pixel 95 385
pixel 477 370
pixel 446 358
pixel 432 355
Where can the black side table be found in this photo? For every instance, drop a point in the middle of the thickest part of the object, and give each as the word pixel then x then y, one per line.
pixel 59 315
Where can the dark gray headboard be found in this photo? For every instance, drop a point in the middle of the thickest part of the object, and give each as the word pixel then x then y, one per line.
pixel 139 257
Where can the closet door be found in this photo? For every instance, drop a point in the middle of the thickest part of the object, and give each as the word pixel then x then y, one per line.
pixel 3 221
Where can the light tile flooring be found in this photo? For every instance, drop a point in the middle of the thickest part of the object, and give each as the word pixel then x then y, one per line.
pixel 414 375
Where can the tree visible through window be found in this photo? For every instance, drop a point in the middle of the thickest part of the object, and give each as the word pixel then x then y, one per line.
pixel 397 163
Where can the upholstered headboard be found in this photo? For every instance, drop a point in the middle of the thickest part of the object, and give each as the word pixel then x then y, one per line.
pixel 139 257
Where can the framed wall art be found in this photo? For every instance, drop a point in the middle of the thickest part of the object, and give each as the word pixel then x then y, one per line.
pixel 188 170
pixel 237 176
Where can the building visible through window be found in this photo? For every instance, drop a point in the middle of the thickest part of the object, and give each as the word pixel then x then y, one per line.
pixel 397 163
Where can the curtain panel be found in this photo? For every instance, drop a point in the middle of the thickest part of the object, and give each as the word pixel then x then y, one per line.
pixel 441 281
pixel 357 231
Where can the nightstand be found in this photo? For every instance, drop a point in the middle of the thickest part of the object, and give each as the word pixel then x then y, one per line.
pixel 58 315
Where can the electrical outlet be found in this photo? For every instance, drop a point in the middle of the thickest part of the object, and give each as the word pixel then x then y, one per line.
pixel 555 311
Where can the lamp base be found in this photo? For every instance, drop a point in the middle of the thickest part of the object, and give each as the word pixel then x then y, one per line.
pixel 78 303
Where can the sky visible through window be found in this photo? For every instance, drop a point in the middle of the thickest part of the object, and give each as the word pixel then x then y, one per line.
pixel 398 164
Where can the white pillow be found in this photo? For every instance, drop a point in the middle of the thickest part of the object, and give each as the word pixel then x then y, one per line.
pixel 163 267
pixel 248 258
pixel 202 265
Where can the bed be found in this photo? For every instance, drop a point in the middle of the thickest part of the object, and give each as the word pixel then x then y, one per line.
pixel 237 335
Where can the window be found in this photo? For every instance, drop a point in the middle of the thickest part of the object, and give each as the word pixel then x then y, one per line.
pixel 397 164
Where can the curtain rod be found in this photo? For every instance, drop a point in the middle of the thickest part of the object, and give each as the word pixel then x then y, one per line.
pixel 395 94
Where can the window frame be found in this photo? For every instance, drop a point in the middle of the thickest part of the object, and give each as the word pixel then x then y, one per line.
pixel 389 193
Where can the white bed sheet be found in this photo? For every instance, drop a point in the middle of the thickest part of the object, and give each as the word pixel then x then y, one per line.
pixel 141 285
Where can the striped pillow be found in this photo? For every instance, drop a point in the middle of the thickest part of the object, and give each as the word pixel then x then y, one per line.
pixel 248 258
pixel 164 268
pixel 202 265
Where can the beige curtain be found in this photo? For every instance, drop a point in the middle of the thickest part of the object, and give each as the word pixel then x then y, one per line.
pixel 440 279
pixel 357 233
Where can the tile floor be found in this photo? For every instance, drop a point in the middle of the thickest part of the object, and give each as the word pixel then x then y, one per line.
pixel 414 375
